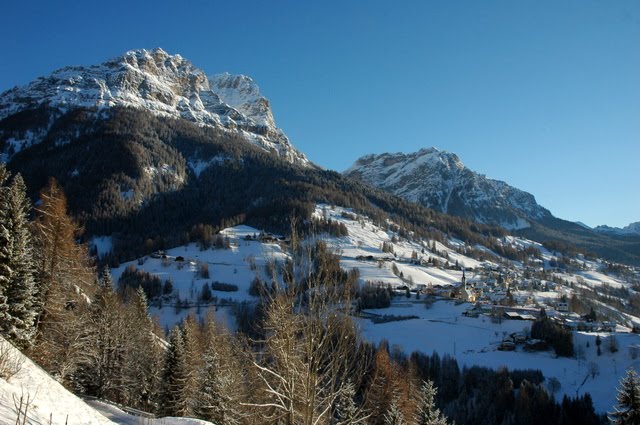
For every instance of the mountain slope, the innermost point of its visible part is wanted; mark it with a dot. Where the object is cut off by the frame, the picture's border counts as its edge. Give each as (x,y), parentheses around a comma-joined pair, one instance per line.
(50,402)
(155,81)
(439,180)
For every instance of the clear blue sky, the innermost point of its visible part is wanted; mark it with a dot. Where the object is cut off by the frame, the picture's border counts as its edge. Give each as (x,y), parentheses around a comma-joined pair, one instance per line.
(542,94)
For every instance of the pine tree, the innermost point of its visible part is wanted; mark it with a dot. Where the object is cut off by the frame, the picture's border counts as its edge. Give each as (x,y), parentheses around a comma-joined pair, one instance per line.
(213,403)
(105,375)
(627,411)
(191,338)
(173,401)
(20,289)
(393,416)
(5,243)
(428,413)
(144,360)
(346,410)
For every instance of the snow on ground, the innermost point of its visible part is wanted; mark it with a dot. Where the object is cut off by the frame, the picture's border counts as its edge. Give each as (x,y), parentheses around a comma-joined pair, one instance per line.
(239,265)
(365,239)
(50,402)
(118,416)
(473,341)
(442,328)
(102,244)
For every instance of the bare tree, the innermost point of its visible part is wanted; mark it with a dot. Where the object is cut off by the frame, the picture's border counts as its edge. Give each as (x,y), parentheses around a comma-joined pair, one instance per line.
(554,385)
(310,351)
(66,280)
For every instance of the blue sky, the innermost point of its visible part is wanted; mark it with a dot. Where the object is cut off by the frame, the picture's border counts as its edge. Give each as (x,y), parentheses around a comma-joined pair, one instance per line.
(542,94)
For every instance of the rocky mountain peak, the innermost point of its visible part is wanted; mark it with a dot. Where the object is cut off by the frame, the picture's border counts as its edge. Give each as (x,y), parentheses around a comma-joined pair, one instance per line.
(438,179)
(163,84)
(243,94)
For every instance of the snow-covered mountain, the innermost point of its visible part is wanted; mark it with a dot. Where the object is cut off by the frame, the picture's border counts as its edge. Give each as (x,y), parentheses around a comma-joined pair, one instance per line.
(629,230)
(439,180)
(153,80)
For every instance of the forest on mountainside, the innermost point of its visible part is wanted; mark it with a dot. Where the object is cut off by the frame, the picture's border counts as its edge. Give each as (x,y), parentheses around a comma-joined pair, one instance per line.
(130,176)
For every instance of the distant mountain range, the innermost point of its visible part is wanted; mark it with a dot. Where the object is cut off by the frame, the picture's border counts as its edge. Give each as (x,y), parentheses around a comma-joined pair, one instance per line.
(148,145)
(632,229)
(439,180)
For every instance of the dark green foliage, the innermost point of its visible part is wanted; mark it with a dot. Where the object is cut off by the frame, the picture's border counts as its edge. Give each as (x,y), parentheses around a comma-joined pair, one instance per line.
(173,401)
(428,413)
(146,157)
(223,287)
(167,287)
(205,295)
(134,278)
(559,338)
(18,293)
(482,396)
(5,251)
(374,296)
(570,238)
(627,411)
(578,411)
(329,227)
(346,411)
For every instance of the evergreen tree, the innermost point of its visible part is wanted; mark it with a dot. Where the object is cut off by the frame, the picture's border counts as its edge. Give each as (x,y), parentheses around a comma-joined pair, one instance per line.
(346,410)
(173,401)
(5,243)
(627,411)
(393,416)
(213,403)
(144,359)
(20,290)
(428,413)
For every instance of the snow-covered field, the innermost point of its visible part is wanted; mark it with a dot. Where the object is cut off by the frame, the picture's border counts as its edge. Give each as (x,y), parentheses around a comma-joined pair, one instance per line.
(474,341)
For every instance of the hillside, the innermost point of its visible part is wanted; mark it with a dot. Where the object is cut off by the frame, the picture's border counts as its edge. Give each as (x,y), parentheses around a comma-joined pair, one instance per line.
(426,267)
(439,180)
(45,401)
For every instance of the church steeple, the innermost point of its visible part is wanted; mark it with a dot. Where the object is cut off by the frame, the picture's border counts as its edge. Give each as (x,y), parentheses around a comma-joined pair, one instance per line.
(464,280)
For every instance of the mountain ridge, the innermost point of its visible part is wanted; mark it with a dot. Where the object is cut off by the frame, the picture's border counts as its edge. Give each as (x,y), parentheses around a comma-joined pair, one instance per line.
(153,80)
(438,179)
(628,230)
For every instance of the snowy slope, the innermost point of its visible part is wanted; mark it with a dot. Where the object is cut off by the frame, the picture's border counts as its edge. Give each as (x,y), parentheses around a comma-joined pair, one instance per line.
(439,180)
(50,403)
(153,80)
(48,399)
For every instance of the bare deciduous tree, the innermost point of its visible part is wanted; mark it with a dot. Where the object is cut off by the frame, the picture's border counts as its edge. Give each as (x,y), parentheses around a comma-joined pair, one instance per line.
(311,348)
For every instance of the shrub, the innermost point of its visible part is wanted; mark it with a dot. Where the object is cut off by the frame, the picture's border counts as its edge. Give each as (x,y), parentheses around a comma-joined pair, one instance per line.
(10,360)
(224,287)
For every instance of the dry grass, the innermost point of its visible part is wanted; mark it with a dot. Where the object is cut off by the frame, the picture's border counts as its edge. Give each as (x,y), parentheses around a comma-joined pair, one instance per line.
(10,360)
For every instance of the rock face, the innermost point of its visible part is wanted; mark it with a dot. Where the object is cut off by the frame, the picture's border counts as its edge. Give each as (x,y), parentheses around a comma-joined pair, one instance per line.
(439,180)
(164,84)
